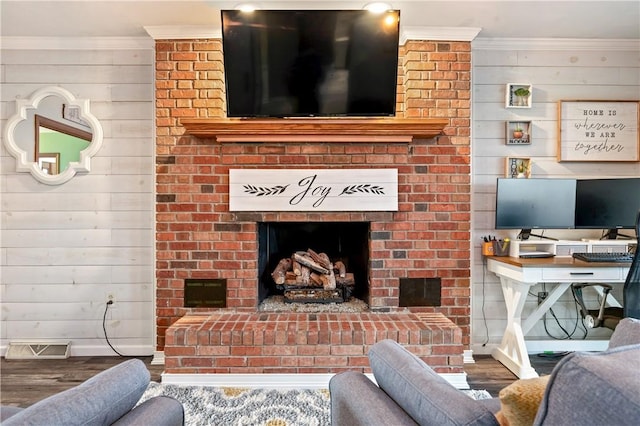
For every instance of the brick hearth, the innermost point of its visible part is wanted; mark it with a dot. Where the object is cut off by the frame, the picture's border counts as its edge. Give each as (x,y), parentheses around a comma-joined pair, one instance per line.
(302,343)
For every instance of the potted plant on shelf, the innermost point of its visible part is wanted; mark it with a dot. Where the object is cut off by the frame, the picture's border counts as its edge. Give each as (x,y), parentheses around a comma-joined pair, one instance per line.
(522,168)
(521,95)
(518,133)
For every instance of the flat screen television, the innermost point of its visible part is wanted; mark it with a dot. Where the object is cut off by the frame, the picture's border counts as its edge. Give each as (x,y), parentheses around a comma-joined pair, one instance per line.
(528,204)
(306,63)
(608,204)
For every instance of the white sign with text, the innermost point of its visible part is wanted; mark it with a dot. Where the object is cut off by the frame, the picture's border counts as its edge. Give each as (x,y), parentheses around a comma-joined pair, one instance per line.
(598,131)
(313,190)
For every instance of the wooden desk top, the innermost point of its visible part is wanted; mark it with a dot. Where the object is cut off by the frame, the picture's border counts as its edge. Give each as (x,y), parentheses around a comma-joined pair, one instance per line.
(555,262)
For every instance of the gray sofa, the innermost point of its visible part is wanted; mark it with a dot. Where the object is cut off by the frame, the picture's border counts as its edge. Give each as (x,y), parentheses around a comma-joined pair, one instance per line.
(108,398)
(583,389)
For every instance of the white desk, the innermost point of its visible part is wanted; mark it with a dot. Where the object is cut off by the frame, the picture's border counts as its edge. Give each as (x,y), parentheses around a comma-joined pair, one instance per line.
(518,275)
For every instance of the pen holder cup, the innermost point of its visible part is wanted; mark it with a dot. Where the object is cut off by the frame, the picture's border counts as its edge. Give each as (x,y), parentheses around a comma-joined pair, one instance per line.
(487,248)
(501,248)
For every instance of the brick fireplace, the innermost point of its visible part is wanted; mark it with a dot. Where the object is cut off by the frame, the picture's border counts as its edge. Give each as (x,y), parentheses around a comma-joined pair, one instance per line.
(198,237)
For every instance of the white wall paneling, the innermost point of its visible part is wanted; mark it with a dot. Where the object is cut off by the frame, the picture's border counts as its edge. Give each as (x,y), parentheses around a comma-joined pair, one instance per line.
(64,248)
(557,70)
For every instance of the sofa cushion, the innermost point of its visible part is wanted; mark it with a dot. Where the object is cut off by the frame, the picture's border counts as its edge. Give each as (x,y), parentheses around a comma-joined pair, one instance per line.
(520,401)
(421,392)
(600,388)
(101,400)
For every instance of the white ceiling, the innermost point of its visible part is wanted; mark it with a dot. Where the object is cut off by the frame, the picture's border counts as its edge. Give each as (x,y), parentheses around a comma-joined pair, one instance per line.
(584,19)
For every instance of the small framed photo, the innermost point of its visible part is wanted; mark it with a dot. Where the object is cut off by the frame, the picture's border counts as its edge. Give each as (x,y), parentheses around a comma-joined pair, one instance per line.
(518,167)
(72,113)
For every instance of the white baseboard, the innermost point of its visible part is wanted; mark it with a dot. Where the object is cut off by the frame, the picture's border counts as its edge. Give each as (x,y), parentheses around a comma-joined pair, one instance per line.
(479,349)
(133,350)
(540,346)
(467,357)
(92,350)
(545,345)
(158,358)
(278,381)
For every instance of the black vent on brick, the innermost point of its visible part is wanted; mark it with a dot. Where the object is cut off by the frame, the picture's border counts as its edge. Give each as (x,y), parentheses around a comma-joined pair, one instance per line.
(205,293)
(420,292)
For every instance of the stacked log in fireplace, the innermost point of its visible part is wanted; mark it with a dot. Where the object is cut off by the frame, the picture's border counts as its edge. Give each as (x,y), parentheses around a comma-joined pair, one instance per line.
(310,277)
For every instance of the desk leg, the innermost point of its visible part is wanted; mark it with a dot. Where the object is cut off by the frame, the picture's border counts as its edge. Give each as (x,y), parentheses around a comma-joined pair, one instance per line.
(512,352)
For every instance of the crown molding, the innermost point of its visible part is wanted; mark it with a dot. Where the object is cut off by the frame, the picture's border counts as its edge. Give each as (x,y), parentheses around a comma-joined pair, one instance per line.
(181,32)
(438,33)
(554,44)
(163,32)
(76,43)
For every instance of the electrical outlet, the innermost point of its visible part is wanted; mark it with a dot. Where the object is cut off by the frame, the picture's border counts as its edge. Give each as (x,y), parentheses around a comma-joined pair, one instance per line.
(541,296)
(111,297)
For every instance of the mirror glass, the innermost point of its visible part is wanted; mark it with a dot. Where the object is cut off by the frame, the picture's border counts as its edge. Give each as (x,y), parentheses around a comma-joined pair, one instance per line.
(53,135)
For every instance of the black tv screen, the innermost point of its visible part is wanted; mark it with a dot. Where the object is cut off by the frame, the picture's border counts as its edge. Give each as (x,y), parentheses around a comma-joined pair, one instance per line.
(535,203)
(607,203)
(286,63)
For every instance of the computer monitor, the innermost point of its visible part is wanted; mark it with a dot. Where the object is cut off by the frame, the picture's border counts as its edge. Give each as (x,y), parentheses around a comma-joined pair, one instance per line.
(608,204)
(528,204)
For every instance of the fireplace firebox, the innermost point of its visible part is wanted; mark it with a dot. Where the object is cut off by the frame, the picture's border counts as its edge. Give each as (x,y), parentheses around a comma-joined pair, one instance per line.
(346,242)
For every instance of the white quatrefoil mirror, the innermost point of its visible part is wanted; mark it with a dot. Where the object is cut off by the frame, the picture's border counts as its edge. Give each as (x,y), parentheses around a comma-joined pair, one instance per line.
(53,135)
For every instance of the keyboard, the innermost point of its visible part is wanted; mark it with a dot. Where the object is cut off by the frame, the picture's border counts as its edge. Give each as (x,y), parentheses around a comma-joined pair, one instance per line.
(618,257)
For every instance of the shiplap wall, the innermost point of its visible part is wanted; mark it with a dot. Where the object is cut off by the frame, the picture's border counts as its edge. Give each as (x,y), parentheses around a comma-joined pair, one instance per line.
(558,70)
(64,248)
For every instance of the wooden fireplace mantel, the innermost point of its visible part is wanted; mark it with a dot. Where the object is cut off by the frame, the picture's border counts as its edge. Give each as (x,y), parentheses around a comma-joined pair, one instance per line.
(315,129)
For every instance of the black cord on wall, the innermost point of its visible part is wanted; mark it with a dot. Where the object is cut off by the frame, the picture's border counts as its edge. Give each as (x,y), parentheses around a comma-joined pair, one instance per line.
(484,316)
(104,327)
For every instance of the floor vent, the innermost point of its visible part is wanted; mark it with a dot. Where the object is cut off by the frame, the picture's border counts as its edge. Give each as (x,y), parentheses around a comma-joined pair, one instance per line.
(34,350)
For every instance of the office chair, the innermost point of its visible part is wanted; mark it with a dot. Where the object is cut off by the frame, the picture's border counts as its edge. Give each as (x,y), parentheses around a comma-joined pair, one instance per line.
(609,316)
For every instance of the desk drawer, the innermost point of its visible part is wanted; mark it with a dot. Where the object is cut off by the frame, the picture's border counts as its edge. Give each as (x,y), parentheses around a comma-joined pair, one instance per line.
(581,274)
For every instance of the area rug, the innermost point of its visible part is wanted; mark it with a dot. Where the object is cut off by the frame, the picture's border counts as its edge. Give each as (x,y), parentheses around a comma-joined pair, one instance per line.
(222,406)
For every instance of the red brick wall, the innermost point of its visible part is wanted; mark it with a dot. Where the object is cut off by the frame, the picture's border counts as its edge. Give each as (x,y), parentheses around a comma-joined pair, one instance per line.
(197,237)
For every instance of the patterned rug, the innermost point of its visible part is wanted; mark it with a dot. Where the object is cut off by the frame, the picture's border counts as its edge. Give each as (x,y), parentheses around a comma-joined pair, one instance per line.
(213,406)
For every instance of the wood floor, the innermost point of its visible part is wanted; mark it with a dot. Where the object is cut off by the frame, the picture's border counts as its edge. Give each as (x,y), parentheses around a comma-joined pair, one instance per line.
(24,382)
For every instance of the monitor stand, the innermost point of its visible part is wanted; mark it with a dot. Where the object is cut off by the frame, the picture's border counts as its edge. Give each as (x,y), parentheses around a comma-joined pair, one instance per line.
(526,233)
(613,234)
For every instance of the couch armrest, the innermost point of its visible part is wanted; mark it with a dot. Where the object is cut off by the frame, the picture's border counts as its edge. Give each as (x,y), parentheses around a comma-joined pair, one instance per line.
(627,332)
(600,388)
(102,399)
(355,401)
(7,411)
(157,411)
(421,392)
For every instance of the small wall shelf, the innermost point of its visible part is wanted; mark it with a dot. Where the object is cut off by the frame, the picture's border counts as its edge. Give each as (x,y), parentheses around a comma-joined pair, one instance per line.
(514,100)
(518,167)
(512,138)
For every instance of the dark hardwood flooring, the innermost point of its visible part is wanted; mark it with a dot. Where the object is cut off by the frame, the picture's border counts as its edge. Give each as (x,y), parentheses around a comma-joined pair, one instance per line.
(490,375)
(24,382)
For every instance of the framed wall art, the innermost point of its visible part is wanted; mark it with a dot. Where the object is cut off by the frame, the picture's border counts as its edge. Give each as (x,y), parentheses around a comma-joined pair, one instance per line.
(518,167)
(598,131)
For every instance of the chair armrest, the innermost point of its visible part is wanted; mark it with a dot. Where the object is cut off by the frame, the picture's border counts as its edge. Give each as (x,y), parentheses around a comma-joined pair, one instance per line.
(356,400)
